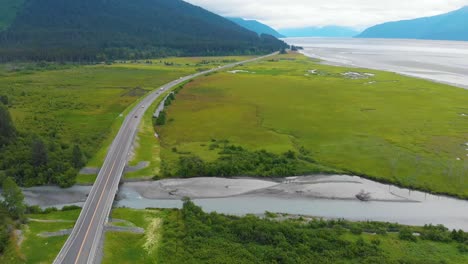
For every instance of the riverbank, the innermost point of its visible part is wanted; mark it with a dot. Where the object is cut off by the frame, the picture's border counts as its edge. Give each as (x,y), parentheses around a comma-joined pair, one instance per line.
(330,197)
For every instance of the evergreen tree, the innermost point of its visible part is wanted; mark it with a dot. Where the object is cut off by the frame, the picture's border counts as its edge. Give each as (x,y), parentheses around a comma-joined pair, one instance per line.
(77,157)
(13,198)
(39,153)
(7,129)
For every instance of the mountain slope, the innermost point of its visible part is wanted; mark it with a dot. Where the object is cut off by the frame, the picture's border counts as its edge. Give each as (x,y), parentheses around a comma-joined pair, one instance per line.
(449,26)
(8,11)
(255,26)
(109,29)
(327,31)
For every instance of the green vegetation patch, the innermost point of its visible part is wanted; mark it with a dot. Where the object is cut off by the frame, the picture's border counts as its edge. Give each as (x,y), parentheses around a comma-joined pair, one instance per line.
(377,124)
(34,246)
(66,115)
(138,248)
(190,235)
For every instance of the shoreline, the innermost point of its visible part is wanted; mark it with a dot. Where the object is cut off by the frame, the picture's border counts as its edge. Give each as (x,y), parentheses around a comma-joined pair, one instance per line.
(324,61)
(320,196)
(425,64)
(312,187)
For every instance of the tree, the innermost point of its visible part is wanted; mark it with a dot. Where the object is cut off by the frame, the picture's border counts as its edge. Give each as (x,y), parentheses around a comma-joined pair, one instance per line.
(7,129)
(4,99)
(191,166)
(77,157)
(67,179)
(39,153)
(4,232)
(13,198)
(161,119)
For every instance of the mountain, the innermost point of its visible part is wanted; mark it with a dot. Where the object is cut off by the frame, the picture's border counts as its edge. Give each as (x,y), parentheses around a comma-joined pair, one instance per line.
(255,26)
(327,31)
(110,29)
(8,11)
(449,26)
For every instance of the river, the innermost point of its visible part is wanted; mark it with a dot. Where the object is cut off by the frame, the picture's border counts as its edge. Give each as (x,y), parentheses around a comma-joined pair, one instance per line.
(441,61)
(332,196)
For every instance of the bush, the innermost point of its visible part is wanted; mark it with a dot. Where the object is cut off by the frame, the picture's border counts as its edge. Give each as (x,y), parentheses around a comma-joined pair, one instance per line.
(50,210)
(406,234)
(33,209)
(237,161)
(463,248)
(356,230)
(437,233)
(70,208)
(161,119)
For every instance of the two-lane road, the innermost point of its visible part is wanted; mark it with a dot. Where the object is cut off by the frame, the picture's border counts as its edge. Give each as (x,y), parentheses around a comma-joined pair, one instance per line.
(82,244)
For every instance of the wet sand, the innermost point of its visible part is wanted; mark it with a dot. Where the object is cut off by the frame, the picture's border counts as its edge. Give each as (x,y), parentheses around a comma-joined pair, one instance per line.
(320,186)
(440,61)
(334,187)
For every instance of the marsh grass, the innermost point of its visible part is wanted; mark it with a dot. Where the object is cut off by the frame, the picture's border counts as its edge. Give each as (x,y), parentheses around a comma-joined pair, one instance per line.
(386,126)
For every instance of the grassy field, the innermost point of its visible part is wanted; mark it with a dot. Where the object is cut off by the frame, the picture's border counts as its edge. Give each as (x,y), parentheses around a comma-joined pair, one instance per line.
(139,248)
(381,125)
(36,249)
(85,105)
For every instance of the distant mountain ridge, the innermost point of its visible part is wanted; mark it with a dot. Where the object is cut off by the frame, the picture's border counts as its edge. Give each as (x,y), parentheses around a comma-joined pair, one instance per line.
(255,26)
(327,31)
(449,26)
(133,29)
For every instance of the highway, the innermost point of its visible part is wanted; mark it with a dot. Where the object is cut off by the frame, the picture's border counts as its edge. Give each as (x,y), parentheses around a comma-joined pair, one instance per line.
(83,243)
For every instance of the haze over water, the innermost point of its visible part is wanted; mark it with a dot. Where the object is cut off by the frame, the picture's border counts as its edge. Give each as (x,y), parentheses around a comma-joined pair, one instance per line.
(441,61)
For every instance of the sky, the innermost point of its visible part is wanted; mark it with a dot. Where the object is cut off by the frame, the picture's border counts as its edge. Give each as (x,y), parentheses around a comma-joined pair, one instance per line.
(358,14)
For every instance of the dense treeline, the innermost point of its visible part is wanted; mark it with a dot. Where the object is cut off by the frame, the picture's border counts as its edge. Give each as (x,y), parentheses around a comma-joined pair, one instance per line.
(32,160)
(192,236)
(237,161)
(90,30)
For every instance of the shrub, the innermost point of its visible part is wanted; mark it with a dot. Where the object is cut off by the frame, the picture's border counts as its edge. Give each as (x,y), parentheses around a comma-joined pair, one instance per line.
(436,233)
(406,234)
(34,209)
(70,208)
(356,230)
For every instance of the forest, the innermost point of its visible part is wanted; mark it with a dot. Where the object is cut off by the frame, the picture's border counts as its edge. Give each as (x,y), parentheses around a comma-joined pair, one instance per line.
(235,160)
(32,160)
(89,30)
(193,236)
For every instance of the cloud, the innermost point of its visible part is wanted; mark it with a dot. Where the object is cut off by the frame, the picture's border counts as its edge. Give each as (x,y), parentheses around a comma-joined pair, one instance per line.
(353,13)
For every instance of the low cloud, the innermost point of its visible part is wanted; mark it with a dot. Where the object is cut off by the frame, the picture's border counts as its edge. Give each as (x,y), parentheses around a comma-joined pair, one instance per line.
(353,13)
